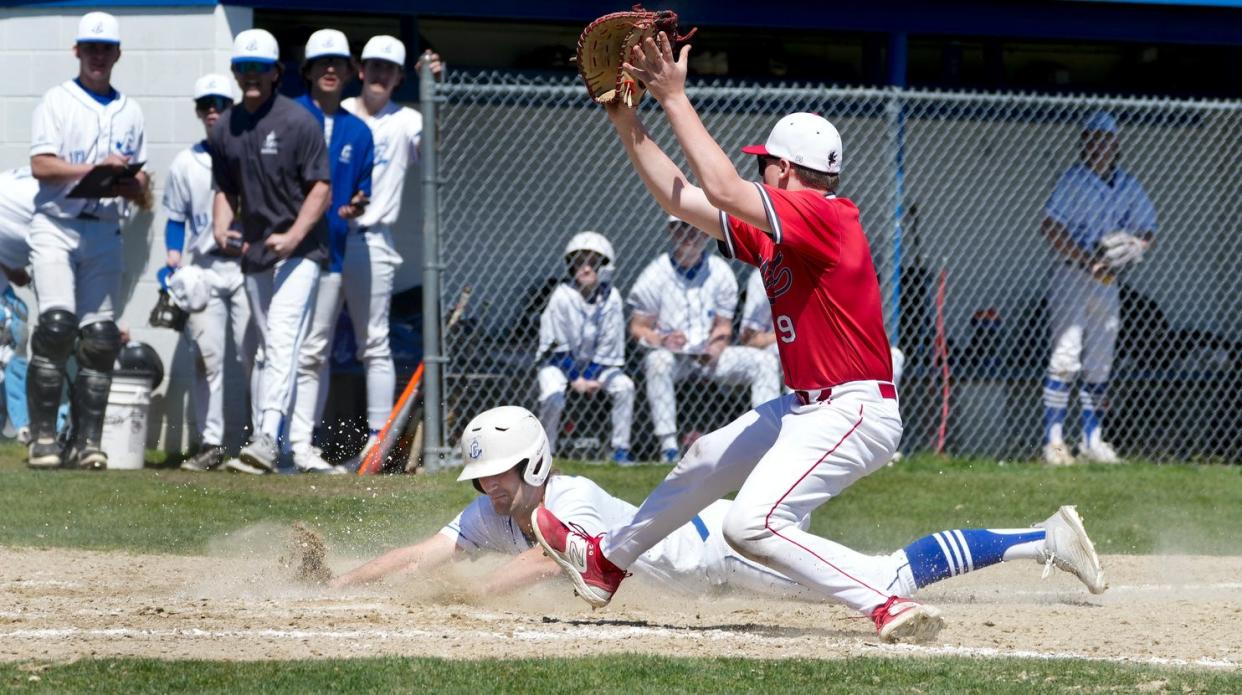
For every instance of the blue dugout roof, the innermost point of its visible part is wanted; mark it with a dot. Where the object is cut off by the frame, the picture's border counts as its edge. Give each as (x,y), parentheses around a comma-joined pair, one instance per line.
(1149,21)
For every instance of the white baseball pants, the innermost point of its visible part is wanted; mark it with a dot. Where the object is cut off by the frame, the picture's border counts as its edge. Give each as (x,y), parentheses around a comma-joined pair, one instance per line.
(364,285)
(281,300)
(737,365)
(618,386)
(227,308)
(77,266)
(1085,317)
(784,459)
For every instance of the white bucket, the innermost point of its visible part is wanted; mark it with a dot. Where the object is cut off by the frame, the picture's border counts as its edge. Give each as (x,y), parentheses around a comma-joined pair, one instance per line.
(125,422)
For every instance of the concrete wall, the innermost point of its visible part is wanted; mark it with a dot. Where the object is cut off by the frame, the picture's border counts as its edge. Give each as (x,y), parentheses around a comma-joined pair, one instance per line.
(164,50)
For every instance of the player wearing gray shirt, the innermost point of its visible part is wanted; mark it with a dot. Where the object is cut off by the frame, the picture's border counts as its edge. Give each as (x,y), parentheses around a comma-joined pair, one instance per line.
(270,167)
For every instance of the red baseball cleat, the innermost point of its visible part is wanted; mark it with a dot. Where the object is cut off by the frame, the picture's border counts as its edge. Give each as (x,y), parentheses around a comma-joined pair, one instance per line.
(577,552)
(903,620)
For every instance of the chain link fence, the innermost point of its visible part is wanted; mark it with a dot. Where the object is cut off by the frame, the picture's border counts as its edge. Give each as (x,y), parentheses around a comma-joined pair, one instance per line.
(952,189)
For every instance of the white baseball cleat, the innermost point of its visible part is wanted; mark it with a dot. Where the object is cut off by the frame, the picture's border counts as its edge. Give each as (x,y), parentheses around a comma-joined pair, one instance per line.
(1067,546)
(1058,454)
(311,461)
(239,467)
(1098,451)
(906,620)
(261,452)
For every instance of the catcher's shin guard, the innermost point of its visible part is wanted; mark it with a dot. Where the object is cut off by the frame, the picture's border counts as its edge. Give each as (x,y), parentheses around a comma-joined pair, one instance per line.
(97,350)
(51,345)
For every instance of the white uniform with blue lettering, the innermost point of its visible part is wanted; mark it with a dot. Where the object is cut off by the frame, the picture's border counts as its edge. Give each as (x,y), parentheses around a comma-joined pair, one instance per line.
(690,301)
(1085,312)
(75,243)
(691,559)
(188,198)
(17,208)
(584,334)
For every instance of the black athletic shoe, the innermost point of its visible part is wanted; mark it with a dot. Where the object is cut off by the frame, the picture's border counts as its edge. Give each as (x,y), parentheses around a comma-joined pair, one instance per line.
(44,454)
(208,458)
(88,458)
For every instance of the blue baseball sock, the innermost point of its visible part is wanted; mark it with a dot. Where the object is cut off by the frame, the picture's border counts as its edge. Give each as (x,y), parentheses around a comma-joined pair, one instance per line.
(1092,396)
(950,553)
(1056,404)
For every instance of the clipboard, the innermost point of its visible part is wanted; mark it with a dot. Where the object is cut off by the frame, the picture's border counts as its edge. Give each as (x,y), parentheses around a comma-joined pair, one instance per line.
(98,182)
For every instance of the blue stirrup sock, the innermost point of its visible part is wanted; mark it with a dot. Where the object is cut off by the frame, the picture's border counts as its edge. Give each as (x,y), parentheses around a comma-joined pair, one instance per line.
(950,553)
(1092,398)
(1056,404)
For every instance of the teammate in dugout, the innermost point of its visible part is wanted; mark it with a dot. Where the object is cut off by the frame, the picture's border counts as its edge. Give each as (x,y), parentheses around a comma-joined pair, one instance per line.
(327,69)
(508,460)
(18,189)
(270,167)
(582,341)
(1100,223)
(75,244)
(790,455)
(371,258)
(683,305)
(192,249)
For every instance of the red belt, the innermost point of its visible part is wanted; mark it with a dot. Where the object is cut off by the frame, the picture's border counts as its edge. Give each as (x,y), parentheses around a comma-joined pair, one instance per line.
(886,390)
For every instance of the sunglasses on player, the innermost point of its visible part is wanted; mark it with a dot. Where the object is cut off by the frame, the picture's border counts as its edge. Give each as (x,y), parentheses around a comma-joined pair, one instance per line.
(245,67)
(205,104)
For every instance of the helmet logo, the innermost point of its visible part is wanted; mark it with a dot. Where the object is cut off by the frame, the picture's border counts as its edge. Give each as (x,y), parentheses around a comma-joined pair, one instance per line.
(475,449)
(253,45)
(97,29)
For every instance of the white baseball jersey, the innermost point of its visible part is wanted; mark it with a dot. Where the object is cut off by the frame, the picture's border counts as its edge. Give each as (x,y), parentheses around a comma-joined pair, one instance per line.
(72,125)
(757,310)
(188,197)
(397,131)
(686,301)
(588,331)
(679,561)
(17,208)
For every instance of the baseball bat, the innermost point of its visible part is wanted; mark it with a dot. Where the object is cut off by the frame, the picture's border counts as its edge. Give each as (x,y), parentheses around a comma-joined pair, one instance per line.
(373,459)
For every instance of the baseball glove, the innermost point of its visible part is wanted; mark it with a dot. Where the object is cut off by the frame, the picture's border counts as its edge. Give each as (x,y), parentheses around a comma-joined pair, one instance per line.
(605,46)
(166,314)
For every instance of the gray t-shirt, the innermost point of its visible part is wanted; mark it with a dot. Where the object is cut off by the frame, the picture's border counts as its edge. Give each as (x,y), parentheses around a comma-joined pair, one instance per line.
(268,159)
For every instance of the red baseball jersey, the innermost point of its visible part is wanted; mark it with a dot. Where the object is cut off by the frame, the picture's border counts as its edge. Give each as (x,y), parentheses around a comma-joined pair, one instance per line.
(821,282)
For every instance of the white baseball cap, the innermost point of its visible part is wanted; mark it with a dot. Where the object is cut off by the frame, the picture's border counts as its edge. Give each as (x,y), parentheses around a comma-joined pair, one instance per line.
(98,27)
(805,139)
(255,46)
(326,43)
(384,48)
(213,85)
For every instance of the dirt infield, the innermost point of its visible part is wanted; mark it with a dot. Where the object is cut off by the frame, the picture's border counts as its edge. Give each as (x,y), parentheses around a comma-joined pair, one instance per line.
(234,604)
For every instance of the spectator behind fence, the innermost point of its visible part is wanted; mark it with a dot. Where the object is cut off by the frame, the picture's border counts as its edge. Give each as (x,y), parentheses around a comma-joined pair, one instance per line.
(683,312)
(757,328)
(582,341)
(1100,222)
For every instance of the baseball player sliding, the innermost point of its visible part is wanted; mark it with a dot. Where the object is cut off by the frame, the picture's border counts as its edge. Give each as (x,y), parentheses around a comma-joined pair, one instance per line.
(1100,223)
(371,258)
(191,246)
(508,460)
(582,341)
(351,156)
(75,243)
(790,455)
(269,152)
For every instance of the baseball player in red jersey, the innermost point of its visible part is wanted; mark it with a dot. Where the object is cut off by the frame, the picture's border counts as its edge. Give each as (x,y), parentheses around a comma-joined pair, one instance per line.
(792,454)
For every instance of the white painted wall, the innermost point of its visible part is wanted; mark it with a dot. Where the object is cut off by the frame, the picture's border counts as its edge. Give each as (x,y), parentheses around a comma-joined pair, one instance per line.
(164,49)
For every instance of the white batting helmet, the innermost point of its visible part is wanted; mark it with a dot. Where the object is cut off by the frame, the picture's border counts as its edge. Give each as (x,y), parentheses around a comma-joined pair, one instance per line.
(502,438)
(590,241)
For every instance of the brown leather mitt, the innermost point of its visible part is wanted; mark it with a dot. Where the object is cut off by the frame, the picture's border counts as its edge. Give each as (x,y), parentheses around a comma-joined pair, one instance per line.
(606,44)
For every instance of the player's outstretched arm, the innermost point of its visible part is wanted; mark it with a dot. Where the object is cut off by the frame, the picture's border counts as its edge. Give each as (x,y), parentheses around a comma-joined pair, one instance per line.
(652,61)
(429,553)
(522,571)
(662,177)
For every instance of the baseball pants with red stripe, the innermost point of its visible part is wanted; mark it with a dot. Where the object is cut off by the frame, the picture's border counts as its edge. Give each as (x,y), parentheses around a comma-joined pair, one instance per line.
(784,458)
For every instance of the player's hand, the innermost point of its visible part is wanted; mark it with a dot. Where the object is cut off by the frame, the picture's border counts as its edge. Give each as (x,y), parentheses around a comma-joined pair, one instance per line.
(434,59)
(592,386)
(674,341)
(174,259)
(652,61)
(357,206)
(282,244)
(712,353)
(579,385)
(115,161)
(230,242)
(129,188)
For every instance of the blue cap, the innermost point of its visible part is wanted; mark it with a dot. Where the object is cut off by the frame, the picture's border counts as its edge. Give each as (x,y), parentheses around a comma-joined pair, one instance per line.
(1100,121)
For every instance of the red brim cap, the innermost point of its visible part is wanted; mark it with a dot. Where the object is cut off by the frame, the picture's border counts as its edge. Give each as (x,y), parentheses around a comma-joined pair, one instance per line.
(755,149)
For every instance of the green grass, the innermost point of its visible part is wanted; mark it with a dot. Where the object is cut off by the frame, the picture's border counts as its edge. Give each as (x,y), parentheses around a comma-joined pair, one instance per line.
(620,673)
(1132,509)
